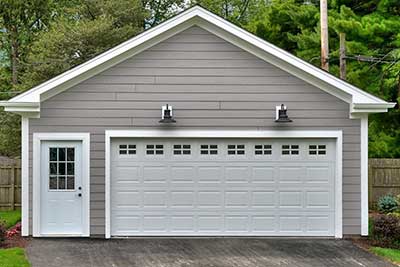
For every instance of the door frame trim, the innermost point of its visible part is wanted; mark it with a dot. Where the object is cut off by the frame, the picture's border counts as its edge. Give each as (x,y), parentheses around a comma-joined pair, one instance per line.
(36,178)
(188,133)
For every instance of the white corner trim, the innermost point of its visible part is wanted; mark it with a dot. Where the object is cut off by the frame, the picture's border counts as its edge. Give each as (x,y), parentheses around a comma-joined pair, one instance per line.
(25,176)
(187,133)
(364,175)
(108,185)
(339,186)
(36,175)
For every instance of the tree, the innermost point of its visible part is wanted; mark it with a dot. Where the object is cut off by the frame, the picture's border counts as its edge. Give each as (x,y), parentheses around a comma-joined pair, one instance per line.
(20,20)
(237,11)
(85,31)
(160,10)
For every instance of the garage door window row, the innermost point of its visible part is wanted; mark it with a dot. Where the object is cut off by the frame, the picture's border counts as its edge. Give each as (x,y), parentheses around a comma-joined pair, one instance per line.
(231,149)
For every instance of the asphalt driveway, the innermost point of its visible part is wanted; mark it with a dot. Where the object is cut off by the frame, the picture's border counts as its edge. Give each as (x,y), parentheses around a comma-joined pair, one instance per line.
(219,252)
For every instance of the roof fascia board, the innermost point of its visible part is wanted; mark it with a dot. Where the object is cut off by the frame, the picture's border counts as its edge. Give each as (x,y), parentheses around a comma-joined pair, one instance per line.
(369,106)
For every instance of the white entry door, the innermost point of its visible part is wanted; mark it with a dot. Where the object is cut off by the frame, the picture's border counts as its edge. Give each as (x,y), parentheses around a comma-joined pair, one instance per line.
(61,211)
(228,187)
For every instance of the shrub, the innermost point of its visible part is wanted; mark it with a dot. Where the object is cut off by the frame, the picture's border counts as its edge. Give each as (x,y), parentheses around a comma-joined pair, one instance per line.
(387,204)
(16,230)
(387,228)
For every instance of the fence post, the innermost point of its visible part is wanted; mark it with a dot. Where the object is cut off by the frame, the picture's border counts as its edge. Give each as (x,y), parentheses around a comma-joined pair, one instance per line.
(11,193)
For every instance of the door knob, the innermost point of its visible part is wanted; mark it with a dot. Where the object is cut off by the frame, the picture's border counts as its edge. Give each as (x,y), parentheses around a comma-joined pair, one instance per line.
(80,188)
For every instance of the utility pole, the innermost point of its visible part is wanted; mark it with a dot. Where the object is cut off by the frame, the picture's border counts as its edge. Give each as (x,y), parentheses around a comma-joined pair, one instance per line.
(342,56)
(324,35)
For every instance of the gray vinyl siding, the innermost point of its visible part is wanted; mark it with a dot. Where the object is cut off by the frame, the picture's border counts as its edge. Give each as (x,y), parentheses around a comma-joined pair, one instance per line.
(211,84)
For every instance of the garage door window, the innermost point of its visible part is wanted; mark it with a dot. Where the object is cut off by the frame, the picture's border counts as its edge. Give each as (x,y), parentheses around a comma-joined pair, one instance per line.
(317,149)
(236,149)
(182,150)
(127,149)
(263,149)
(154,149)
(208,149)
(290,149)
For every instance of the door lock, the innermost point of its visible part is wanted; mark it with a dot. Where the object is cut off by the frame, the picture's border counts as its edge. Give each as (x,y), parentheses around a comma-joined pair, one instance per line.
(80,195)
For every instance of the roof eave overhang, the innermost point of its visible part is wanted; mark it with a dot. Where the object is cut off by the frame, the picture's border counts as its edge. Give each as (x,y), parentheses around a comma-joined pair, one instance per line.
(356,109)
(25,109)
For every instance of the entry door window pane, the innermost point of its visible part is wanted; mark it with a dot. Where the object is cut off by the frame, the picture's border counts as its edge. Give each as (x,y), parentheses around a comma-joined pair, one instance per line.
(62,168)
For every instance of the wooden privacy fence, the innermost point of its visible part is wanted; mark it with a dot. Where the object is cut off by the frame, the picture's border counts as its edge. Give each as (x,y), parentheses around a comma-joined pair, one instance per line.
(10,184)
(384,178)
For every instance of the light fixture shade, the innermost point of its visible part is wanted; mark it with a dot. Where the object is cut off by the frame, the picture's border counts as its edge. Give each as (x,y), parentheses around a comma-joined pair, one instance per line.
(166,115)
(282,114)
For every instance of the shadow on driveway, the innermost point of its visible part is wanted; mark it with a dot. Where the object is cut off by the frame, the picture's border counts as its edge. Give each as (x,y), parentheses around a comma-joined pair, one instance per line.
(221,252)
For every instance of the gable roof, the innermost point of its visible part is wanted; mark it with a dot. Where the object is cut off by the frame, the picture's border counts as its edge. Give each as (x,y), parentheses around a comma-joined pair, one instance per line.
(359,100)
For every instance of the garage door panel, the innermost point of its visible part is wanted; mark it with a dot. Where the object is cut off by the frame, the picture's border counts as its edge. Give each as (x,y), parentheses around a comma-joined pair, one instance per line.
(154,199)
(319,224)
(155,174)
(210,223)
(290,224)
(182,199)
(319,174)
(155,223)
(222,194)
(262,174)
(318,199)
(127,174)
(236,199)
(237,224)
(183,223)
(209,199)
(183,174)
(290,199)
(263,199)
(236,174)
(209,174)
(290,174)
(127,199)
(264,224)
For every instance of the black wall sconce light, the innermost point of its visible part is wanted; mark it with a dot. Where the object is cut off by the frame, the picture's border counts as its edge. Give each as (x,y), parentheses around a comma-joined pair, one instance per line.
(281,114)
(166,115)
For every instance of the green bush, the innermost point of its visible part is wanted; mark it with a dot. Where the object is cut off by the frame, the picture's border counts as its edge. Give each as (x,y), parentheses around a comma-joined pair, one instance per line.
(387,204)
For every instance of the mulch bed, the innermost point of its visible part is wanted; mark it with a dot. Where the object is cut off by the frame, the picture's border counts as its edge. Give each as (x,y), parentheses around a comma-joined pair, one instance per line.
(367,242)
(15,241)
(13,238)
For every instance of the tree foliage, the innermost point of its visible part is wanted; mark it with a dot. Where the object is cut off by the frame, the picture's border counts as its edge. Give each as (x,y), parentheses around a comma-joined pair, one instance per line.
(54,36)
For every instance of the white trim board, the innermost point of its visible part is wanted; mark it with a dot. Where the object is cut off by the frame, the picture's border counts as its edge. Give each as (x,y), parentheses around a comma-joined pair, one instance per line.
(25,176)
(36,176)
(174,133)
(216,25)
(364,174)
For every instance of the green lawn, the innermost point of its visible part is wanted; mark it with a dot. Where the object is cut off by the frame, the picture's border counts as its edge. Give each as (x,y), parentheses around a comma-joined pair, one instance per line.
(10,217)
(388,253)
(13,257)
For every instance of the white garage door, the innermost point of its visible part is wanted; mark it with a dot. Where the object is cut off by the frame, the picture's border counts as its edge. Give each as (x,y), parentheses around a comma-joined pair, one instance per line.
(229,187)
